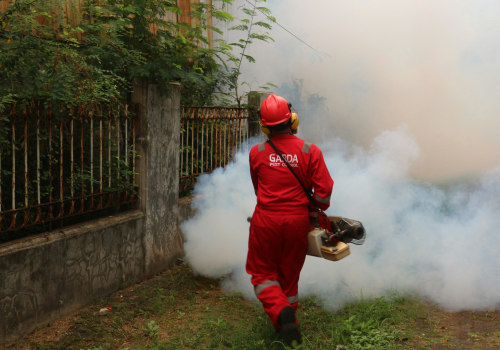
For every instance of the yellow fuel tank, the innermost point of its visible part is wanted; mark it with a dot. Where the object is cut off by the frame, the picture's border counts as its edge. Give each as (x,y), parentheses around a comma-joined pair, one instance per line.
(316,248)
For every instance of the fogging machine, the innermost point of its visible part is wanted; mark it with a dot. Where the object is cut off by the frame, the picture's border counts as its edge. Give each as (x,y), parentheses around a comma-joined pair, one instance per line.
(330,235)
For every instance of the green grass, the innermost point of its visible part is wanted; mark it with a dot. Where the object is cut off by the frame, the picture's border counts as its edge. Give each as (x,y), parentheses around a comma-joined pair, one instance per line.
(177,310)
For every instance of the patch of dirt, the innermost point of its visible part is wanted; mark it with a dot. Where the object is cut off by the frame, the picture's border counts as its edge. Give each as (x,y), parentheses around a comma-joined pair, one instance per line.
(52,332)
(463,330)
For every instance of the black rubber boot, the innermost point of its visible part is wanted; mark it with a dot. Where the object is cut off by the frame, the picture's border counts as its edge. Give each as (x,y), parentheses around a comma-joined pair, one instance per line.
(289,330)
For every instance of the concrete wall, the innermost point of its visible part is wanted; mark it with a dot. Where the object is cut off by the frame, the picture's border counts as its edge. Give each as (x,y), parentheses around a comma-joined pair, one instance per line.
(47,276)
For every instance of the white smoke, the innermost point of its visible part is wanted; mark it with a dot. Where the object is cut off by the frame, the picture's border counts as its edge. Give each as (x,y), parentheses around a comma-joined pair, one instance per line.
(411,94)
(440,243)
(432,65)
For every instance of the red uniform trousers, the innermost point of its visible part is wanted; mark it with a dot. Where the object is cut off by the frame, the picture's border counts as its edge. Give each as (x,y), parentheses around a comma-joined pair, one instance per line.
(276,253)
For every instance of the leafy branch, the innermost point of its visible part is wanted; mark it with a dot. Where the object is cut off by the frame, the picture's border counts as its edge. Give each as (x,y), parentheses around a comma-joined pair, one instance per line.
(249,26)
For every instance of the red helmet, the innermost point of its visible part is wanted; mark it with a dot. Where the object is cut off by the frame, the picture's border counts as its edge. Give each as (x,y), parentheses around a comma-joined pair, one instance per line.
(274,110)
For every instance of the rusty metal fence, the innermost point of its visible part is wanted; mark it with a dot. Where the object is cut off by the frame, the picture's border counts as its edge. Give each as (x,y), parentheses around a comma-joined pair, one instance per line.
(57,164)
(209,138)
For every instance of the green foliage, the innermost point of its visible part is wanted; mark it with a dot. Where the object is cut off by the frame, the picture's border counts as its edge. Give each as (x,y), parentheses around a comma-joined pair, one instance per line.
(151,329)
(234,90)
(95,59)
(41,59)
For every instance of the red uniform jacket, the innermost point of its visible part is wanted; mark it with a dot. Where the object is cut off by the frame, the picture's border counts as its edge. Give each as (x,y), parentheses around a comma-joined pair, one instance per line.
(275,185)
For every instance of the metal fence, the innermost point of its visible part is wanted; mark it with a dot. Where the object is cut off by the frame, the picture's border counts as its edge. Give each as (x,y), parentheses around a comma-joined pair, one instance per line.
(209,138)
(61,163)
(58,165)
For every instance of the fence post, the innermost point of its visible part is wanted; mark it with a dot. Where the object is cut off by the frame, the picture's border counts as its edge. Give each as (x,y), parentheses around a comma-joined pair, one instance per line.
(158,174)
(255,99)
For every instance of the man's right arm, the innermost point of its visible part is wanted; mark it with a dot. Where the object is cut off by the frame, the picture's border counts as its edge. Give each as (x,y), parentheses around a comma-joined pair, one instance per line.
(253,174)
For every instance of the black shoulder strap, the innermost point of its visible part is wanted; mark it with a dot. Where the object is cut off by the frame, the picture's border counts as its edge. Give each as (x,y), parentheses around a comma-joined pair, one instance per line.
(306,191)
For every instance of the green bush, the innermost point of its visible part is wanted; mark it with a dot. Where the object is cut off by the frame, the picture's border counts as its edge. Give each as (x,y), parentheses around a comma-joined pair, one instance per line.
(46,56)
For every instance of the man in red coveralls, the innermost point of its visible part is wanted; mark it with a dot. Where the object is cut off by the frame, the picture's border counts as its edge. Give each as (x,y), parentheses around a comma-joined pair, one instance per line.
(278,230)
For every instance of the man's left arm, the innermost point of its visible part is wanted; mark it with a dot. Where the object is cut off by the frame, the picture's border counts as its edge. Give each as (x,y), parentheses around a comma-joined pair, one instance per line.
(321,180)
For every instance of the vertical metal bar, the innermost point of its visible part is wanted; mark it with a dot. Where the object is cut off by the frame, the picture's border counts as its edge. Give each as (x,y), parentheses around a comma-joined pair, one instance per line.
(247,131)
(13,146)
(188,152)
(214,142)
(82,183)
(118,149)
(25,164)
(223,138)
(1,190)
(207,148)
(109,149)
(198,120)
(230,136)
(100,160)
(225,141)
(50,166)
(237,133)
(219,138)
(72,160)
(247,126)
(185,146)
(38,168)
(127,164)
(182,143)
(227,136)
(231,143)
(212,149)
(202,143)
(192,147)
(1,217)
(126,135)
(236,139)
(91,140)
(240,132)
(133,149)
(61,169)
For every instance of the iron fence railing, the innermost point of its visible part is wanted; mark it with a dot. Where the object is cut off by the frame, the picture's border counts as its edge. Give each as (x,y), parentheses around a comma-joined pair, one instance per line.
(61,163)
(209,138)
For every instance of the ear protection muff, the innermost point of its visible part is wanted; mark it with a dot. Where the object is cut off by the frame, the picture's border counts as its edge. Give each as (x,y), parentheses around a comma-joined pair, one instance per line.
(294,120)
(265,129)
(294,123)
